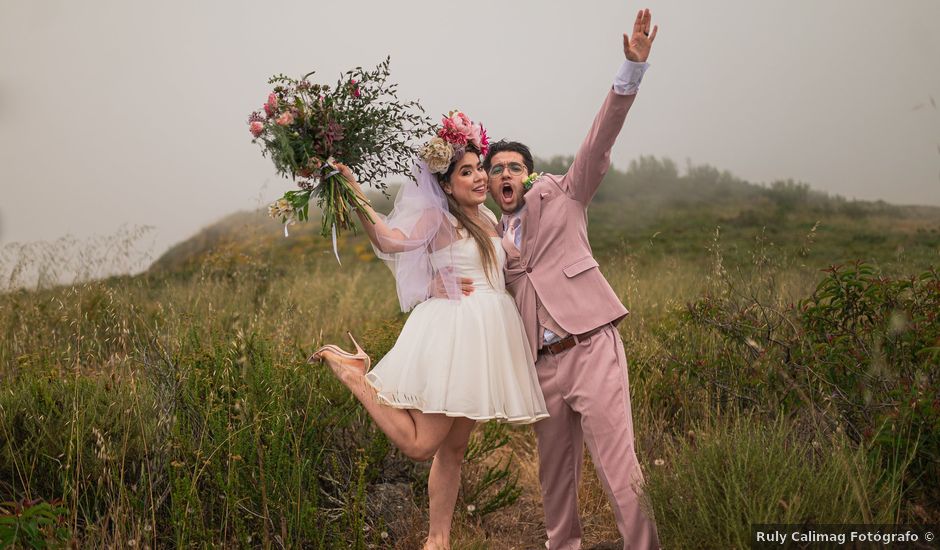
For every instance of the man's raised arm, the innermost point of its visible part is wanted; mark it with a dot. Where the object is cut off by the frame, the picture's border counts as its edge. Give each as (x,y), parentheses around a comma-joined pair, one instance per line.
(593,158)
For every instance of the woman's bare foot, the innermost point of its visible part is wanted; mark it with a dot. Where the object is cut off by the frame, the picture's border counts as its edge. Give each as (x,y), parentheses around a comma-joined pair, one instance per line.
(431,545)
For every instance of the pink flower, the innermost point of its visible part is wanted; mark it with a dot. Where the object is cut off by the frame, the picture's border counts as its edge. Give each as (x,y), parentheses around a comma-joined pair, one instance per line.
(256,128)
(457,122)
(271,106)
(452,136)
(285,119)
(355,89)
(475,135)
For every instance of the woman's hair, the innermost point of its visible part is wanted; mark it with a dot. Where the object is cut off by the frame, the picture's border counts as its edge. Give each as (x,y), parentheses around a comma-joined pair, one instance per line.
(484,243)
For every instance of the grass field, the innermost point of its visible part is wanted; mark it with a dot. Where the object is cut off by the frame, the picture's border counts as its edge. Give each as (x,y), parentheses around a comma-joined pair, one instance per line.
(175,408)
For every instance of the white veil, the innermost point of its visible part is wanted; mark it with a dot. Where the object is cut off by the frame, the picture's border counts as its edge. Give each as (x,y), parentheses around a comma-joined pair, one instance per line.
(425,231)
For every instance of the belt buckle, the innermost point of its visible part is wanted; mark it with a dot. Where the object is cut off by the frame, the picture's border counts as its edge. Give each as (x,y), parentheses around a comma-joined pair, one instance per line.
(563,344)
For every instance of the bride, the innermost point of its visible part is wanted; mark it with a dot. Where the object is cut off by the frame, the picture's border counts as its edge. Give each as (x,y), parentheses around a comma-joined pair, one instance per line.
(461,357)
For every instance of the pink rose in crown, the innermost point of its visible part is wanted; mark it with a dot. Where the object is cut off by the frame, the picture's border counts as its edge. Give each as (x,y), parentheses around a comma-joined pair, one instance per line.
(271,106)
(458,122)
(451,135)
(475,135)
(256,128)
(286,119)
(478,138)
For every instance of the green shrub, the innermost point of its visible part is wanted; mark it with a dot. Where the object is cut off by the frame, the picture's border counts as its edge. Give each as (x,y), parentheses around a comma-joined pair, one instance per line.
(861,353)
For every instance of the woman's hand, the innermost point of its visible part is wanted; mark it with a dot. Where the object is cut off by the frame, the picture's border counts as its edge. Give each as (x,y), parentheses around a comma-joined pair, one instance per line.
(348,175)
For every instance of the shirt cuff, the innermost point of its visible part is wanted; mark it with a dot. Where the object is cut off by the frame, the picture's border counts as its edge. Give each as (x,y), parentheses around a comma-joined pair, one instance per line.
(628,78)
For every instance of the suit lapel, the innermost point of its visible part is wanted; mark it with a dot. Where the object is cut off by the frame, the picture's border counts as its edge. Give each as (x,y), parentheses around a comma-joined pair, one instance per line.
(530,223)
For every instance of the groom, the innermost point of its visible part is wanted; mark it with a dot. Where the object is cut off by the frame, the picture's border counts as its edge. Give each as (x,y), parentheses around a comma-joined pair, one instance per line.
(570,313)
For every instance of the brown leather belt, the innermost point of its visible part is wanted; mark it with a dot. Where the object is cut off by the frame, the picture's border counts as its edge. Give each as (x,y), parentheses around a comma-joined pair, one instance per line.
(569,341)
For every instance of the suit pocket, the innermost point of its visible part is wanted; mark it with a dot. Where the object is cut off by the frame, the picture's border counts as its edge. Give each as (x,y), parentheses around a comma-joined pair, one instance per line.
(580,266)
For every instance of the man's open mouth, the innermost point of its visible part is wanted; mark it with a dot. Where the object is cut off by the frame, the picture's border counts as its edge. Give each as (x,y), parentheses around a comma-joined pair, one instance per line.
(507,191)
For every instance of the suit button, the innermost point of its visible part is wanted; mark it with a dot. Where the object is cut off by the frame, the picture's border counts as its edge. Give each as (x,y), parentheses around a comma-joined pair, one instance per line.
(528,270)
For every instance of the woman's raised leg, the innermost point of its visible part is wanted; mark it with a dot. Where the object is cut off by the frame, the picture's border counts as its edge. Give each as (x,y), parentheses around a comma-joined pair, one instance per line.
(415,433)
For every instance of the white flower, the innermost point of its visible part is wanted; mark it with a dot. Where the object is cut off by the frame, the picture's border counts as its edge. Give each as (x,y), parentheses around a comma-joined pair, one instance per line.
(659,462)
(282,209)
(437,153)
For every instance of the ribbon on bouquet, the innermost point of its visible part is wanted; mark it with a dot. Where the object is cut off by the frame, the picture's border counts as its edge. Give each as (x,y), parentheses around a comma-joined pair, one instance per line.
(335,251)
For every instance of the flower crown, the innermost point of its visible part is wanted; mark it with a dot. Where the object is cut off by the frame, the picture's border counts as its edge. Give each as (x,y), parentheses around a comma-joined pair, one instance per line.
(457,130)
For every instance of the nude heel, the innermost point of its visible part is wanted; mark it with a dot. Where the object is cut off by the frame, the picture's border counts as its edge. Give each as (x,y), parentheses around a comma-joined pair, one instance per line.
(360,354)
(341,359)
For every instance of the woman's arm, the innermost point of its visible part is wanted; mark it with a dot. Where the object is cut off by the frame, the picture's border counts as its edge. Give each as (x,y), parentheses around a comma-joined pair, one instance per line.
(385,238)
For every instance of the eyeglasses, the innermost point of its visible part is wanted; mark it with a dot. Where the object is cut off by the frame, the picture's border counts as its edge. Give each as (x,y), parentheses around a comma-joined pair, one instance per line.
(515,169)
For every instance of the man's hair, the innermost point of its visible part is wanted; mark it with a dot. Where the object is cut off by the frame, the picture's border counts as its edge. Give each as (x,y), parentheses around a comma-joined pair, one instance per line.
(502,146)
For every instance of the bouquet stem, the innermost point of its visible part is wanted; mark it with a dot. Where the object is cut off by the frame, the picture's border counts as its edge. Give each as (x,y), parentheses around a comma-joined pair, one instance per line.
(337,201)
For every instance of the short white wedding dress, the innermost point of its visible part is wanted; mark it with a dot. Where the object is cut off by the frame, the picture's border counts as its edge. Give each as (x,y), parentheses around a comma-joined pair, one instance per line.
(467,357)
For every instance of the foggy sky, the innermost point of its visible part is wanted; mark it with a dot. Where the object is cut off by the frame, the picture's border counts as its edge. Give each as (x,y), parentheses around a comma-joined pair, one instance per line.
(129,112)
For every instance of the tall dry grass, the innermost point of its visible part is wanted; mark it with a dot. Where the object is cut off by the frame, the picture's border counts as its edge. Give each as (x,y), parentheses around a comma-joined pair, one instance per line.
(166,410)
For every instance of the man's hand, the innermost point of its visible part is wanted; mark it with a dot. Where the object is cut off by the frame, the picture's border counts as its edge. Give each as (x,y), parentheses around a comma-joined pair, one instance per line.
(637,47)
(438,290)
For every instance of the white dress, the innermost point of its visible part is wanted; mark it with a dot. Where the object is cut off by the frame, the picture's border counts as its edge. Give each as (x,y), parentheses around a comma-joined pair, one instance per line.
(466,357)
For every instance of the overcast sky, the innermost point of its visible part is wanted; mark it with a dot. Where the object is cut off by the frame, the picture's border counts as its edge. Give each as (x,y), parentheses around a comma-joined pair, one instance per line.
(117,112)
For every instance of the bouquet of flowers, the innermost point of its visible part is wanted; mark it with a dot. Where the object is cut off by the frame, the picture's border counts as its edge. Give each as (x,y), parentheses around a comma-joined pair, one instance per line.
(305,128)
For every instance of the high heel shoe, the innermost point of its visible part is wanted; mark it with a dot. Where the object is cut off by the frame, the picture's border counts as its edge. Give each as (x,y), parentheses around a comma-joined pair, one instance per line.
(359,352)
(344,356)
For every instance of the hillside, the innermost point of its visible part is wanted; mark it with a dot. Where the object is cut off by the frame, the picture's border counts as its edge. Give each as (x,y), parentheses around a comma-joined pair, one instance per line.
(650,210)
(178,409)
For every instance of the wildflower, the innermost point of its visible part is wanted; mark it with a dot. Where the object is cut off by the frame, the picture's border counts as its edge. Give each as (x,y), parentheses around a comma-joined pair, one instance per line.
(471,508)
(659,462)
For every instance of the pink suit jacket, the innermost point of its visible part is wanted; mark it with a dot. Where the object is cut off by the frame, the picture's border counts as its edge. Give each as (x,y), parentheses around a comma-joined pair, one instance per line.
(555,262)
